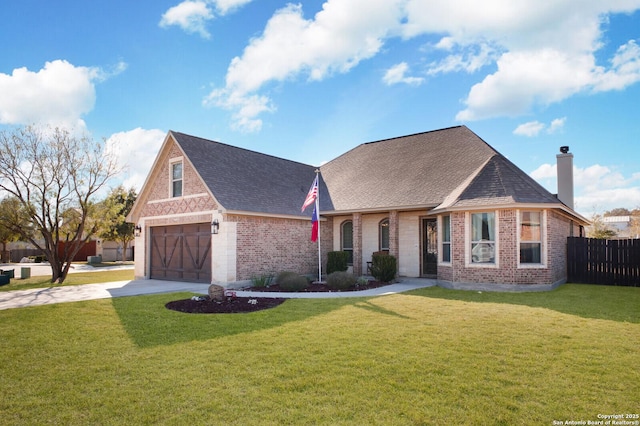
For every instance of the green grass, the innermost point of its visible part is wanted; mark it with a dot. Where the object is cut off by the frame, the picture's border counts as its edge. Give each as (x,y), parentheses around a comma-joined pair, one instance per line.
(432,356)
(72,279)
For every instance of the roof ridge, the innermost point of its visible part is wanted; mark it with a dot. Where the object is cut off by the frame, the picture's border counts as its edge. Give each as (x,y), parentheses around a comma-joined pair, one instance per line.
(414,134)
(454,196)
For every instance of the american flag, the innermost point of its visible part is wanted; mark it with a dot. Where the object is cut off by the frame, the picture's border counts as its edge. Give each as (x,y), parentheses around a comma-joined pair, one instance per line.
(312,195)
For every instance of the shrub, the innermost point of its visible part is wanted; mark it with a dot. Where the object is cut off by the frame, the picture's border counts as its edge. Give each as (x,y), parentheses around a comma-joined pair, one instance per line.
(290,281)
(261,281)
(337,261)
(362,281)
(383,267)
(340,280)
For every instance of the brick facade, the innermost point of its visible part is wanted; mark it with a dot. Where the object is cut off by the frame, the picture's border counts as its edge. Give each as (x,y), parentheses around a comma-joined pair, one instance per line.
(252,245)
(507,269)
(195,197)
(271,245)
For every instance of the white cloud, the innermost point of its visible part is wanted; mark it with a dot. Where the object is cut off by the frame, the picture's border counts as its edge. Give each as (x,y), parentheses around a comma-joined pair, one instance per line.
(470,58)
(396,74)
(225,6)
(541,53)
(596,187)
(532,128)
(526,79)
(135,151)
(189,15)
(556,125)
(59,94)
(339,37)
(625,69)
(192,15)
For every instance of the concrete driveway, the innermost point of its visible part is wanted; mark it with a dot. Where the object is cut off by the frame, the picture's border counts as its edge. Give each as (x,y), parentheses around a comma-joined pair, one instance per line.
(77,293)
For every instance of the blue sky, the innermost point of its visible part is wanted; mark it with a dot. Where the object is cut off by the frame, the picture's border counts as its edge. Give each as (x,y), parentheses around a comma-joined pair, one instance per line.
(310,80)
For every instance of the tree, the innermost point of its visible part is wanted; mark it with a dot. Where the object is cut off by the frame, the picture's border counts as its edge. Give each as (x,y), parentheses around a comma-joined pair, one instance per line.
(599,229)
(634,224)
(619,211)
(9,206)
(116,207)
(55,176)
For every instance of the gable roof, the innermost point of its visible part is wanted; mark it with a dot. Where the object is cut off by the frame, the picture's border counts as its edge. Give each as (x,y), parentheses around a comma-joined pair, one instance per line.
(244,180)
(447,169)
(418,170)
(499,182)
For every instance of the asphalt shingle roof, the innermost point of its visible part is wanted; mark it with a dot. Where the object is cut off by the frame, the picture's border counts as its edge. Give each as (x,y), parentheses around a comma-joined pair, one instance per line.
(500,182)
(449,168)
(246,180)
(415,170)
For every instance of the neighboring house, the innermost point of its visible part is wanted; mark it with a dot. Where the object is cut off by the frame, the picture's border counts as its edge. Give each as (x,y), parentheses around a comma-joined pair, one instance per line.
(112,251)
(444,203)
(621,225)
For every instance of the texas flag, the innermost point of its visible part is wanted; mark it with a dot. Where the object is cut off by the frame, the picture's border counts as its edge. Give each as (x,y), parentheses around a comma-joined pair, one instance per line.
(314,225)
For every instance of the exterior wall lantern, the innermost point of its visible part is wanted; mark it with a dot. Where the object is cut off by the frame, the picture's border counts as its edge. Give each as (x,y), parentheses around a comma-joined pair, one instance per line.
(138,230)
(215,226)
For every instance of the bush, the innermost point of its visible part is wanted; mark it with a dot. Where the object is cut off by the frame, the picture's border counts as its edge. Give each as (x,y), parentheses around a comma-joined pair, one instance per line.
(290,281)
(340,280)
(337,261)
(261,281)
(383,267)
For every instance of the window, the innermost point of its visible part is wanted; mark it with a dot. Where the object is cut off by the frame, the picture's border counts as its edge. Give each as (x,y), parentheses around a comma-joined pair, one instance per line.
(483,238)
(530,237)
(346,240)
(384,235)
(446,238)
(176,179)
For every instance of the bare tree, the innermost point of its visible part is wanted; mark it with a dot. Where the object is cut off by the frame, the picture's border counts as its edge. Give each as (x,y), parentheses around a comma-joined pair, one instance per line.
(54,175)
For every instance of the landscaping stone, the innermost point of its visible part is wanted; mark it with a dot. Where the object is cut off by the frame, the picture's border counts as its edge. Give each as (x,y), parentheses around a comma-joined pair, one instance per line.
(216,292)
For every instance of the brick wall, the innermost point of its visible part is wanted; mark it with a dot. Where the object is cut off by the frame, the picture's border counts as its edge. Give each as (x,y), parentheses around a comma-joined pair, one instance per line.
(272,245)
(195,195)
(507,269)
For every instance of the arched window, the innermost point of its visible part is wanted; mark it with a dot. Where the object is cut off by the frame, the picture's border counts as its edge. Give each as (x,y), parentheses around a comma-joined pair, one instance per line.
(384,234)
(346,238)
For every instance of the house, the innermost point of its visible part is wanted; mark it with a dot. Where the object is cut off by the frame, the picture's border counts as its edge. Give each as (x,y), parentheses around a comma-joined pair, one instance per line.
(622,225)
(444,203)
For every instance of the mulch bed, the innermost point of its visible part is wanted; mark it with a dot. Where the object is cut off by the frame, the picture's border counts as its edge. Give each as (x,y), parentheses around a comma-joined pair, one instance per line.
(234,305)
(321,287)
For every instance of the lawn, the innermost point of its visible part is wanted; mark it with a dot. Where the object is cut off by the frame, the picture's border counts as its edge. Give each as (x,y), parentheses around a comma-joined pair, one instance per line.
(76,278)
(432,356)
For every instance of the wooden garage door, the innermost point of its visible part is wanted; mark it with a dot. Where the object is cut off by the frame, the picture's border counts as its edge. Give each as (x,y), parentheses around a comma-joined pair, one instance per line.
(181,252)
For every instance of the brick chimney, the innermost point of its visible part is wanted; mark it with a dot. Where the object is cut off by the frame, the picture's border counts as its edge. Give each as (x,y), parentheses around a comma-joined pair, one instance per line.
(565,176)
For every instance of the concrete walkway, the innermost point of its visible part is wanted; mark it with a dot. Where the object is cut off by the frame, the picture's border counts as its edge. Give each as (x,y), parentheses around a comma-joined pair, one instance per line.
(44,296)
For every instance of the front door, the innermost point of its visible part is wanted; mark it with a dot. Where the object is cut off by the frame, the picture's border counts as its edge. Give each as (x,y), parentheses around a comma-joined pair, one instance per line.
(429,248)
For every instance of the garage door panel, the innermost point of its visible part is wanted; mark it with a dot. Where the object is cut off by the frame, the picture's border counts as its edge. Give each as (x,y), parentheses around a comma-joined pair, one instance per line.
(181,252)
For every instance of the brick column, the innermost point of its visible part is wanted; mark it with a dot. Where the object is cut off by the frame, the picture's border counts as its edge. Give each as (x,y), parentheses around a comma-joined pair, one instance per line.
(357,244)
(394,226)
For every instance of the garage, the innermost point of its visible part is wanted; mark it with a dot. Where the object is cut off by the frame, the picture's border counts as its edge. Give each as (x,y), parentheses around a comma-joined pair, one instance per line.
(181,252)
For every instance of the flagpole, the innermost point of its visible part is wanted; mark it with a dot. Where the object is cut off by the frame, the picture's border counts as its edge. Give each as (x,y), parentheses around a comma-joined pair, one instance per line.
(318,215)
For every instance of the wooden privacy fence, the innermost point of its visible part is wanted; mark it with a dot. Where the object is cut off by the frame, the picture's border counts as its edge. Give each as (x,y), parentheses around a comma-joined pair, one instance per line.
(609,262)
